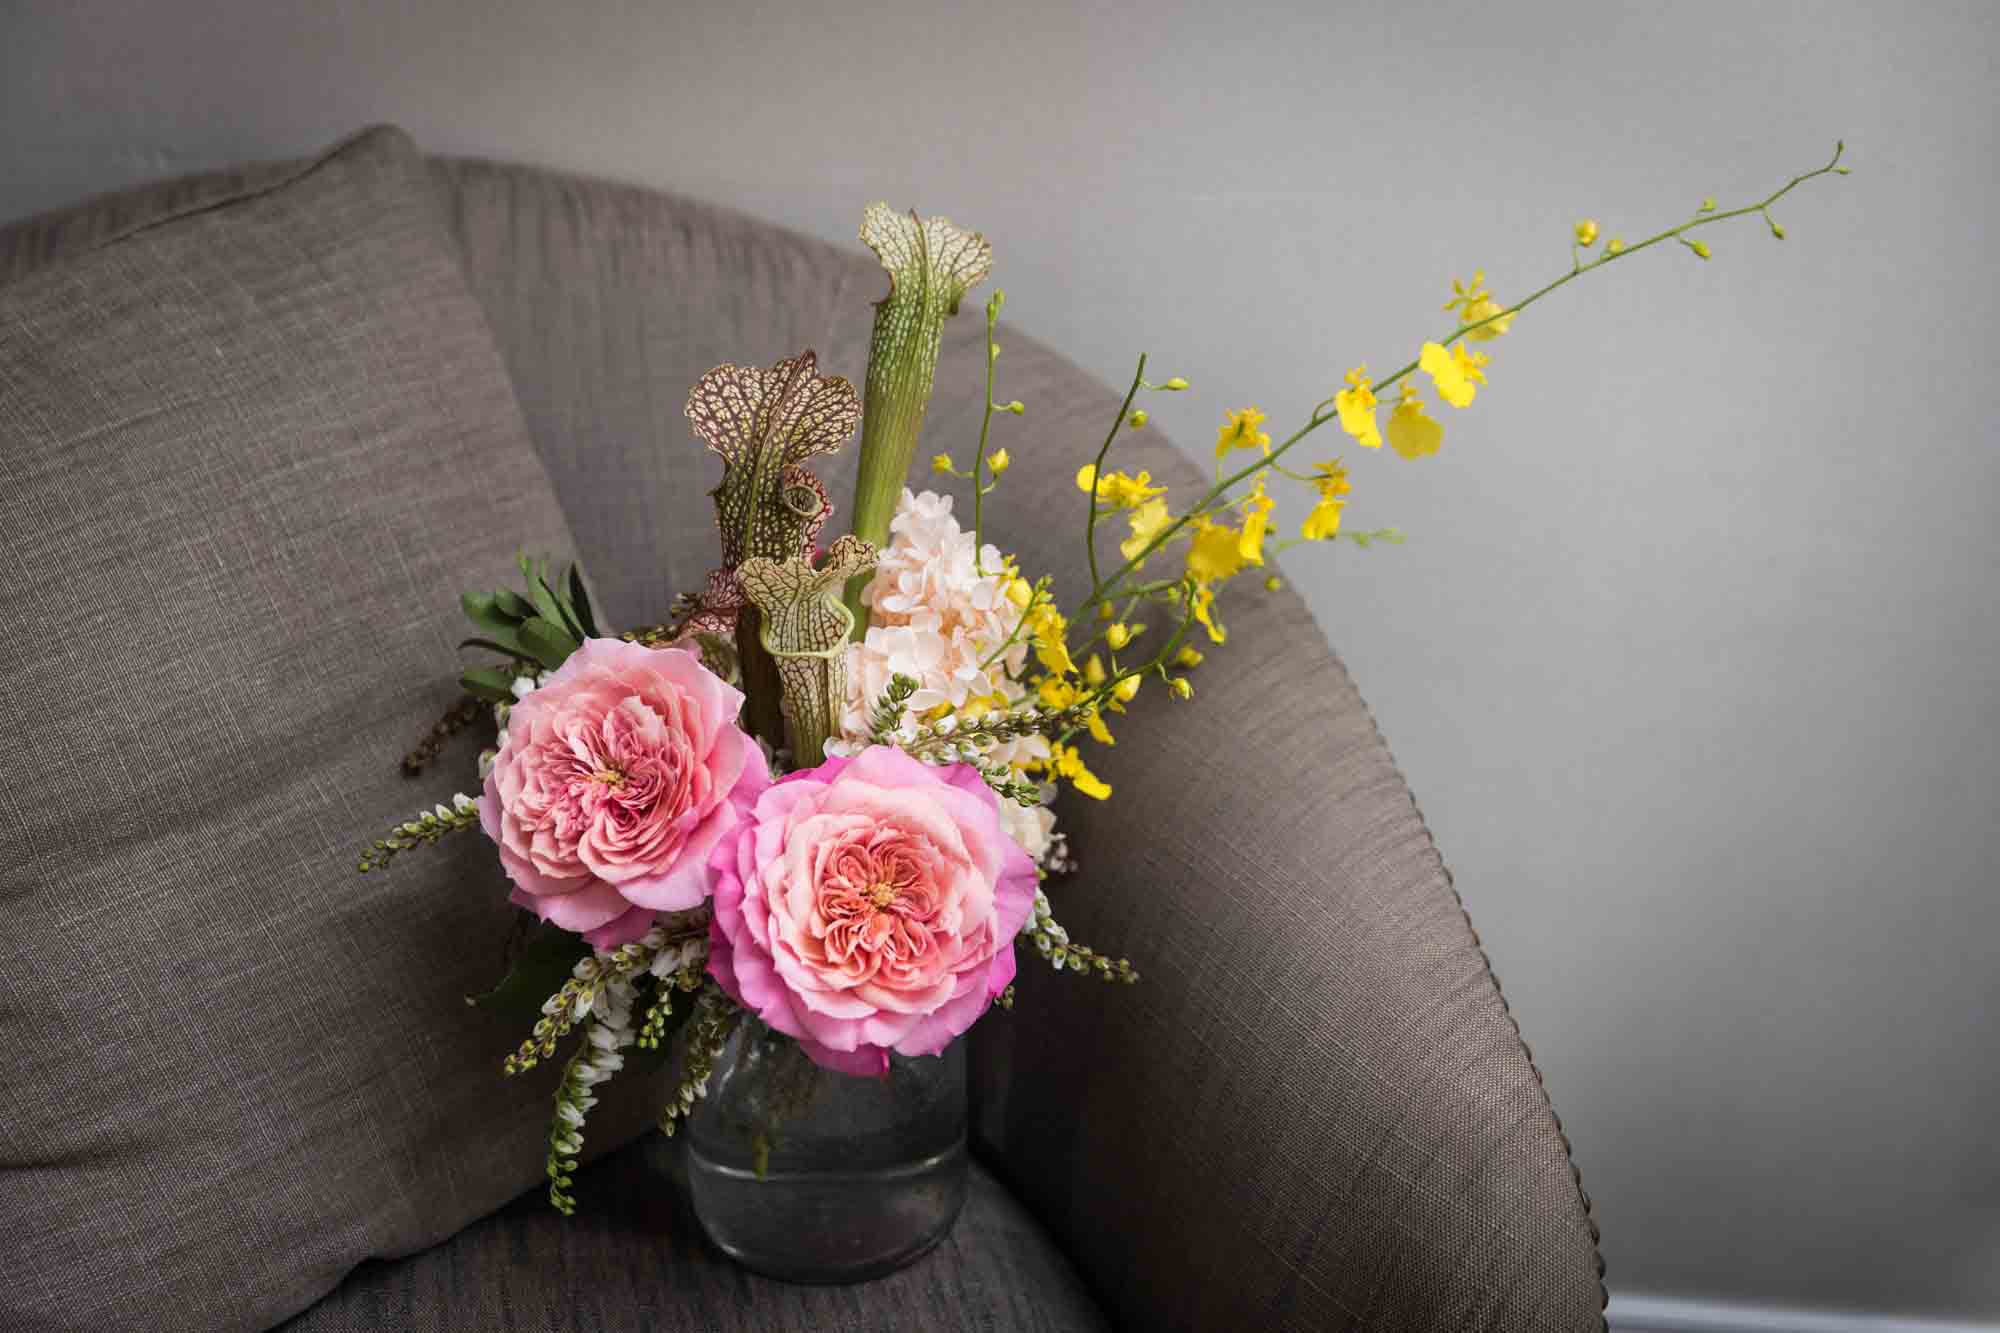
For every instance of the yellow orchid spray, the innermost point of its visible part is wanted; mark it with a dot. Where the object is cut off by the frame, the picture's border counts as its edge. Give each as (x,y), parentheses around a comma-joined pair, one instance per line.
(1228,528)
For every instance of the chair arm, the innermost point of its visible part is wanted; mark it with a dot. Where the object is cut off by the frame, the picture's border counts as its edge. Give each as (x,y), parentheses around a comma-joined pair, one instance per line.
(1314,1110)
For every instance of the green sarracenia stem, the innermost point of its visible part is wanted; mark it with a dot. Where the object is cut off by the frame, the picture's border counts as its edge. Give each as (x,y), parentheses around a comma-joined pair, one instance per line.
(931,264)
(1321,413)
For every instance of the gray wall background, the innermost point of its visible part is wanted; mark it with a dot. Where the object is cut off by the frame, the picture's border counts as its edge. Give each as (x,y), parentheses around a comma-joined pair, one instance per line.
(1691,656)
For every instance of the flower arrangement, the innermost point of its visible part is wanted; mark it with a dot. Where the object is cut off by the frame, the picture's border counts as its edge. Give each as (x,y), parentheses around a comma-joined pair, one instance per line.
(820,794)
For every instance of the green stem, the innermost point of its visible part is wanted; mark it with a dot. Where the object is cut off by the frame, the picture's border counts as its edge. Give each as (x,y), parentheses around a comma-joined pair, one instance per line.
(985,427)
(1097,470)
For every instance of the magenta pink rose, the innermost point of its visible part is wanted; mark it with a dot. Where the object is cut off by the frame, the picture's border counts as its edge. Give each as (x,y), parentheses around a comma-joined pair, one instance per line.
(869,905)
(614,781)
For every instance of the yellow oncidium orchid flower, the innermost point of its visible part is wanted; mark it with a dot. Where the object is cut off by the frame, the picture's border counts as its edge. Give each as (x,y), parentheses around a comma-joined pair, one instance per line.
(1256,520)
(1456,373)
(1474,303)
(1411,433)
(1215,552)
(1116,488)
(1098,731)
(1201,602)
(1055,693)
(1331,483)
(1068,763)
(1148,521)
(1356,405)
(1240,431)
(1050,632)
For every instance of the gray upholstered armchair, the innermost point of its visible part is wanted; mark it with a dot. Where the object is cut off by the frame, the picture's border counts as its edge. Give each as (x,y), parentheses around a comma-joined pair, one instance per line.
(1315,1112)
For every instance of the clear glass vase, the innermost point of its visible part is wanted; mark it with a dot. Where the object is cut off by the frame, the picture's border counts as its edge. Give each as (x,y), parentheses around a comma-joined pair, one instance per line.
(807,1175)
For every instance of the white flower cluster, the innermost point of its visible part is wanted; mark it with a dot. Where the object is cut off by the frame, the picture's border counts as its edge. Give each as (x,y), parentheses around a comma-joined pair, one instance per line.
(605,1006)
(938,612)
(671,958)
(935,617)
(460,802)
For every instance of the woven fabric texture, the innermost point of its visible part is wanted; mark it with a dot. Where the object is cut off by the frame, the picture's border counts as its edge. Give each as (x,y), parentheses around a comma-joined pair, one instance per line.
(1315,1111)
(254,436)
(632,1260)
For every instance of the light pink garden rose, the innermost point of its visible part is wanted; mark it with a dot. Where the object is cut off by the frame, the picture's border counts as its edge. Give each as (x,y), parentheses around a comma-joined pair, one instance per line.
(614,781)
(869,905)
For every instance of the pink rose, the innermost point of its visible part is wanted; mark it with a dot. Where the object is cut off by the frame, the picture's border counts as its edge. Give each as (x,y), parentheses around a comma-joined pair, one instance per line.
(869,905)
(613,782)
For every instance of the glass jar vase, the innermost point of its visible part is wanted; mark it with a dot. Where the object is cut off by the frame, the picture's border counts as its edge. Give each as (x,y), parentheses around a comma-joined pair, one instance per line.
(808,1175)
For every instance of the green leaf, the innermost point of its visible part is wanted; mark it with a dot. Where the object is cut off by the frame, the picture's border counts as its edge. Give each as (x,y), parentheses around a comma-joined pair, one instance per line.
(579,598)
(488,683)
(545,963)
(483,612)
(545,601)
(568,615)
(513,604)
(489,645)
(547,642)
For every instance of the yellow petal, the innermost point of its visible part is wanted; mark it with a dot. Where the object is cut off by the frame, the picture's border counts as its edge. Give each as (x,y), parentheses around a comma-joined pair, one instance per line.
(1324,520)
(1357,416)
(1098,731)
(1412,434)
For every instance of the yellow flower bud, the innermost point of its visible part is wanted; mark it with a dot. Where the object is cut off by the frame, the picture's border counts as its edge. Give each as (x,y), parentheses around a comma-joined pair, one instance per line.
(1139,419)
(1700,248)
(1118,635)
(1125,690)
(1017,407)
(942,463)
(998,461)
(1104,611)
(1708,204)
(1586,232)
(1614,246)
(1175,383)
(992,351)
(1020,593)
(1273,583)
(1180,688)
(1188,656)
(1093,670)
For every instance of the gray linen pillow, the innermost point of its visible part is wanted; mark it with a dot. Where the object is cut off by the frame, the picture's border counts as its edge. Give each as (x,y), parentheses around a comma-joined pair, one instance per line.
(254,437)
